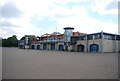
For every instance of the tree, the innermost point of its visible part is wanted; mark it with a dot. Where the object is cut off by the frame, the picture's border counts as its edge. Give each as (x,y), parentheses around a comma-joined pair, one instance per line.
(14,41)
(0,41)
(23,38)
(4,43)
(10,42)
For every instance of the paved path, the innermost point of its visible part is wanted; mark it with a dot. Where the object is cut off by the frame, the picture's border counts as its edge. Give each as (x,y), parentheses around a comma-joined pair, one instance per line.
(39,64)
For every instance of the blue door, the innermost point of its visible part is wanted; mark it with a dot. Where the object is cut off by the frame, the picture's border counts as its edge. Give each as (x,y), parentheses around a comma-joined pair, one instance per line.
(44,46)
(61,47)
(33,47)
(94,48)
(38,47)
(52,46)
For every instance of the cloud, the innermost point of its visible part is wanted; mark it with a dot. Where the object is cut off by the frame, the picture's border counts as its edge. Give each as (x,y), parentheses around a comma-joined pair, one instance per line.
(10,10)
(104,6)
(112,5)
(7,31)
(47,15)
(7,24)
(82,22)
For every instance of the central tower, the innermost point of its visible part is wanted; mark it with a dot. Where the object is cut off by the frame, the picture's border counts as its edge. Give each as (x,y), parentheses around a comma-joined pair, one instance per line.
(67,36)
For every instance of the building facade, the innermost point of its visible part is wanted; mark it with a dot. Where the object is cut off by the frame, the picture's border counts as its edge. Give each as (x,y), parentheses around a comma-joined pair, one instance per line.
(96,42)
(75,41)
(25,41)
(54,41)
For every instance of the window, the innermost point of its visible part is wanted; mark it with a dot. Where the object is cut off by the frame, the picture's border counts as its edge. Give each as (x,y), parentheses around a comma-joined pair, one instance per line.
(90,37)
(109,37)
(58,38)
(73,40)
(81,38)
(52,38)
(97,36)
(117,37)
(105,36)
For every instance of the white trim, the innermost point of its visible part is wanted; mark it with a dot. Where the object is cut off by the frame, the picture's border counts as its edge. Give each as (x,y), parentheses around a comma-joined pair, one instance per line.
(60,44)
(93,43)
(37,44)
(80,43)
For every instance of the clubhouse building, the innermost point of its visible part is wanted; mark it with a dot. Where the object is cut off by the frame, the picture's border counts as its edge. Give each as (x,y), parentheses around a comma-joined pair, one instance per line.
(73,41)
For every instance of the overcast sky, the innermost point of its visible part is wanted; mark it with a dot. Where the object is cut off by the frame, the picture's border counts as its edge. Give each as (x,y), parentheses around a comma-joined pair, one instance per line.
(37,17)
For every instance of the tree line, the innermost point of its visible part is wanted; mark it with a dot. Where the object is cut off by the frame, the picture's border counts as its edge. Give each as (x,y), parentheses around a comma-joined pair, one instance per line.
(10,42)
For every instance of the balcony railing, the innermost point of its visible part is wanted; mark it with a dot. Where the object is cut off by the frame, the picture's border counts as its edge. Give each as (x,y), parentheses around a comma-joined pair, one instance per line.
(47,41)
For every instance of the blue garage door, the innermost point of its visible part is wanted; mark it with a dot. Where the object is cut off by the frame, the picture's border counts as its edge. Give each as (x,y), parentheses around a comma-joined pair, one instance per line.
(52,46)
(38,47)
(33,46)
(44,46)
(61,47)
(94,48)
